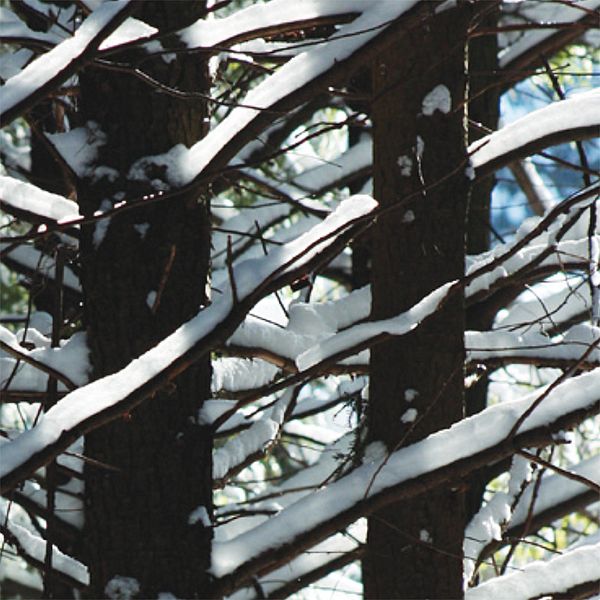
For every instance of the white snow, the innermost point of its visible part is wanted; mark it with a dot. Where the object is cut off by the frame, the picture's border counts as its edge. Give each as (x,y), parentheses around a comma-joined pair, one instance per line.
(438,98)
(122,588)
(79,147)
(151,299)
(234,374)
(33,260)
(29,198)
(502,344)
(466,438)
(409,416)
(405,163)
(130,30)
(515,44)
(358,334)
(199,515)
(543,578)
(74,410)
(258,17)
(70,359)
(184,165)
(578,112)
(51,64)
(35,547)
(408,217)
(410,394)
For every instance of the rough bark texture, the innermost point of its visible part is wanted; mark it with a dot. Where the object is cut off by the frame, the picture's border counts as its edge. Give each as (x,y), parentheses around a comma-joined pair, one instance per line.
(414,549)
(483,108)
(143,276)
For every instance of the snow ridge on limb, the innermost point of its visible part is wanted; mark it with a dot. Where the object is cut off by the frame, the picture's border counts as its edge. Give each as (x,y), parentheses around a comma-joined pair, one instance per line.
(260,20)
(515,258)
(575,118)
(560,575)
(33,549)
(33,204)
(454,452)
(108,398)
(282,91)
(34,82)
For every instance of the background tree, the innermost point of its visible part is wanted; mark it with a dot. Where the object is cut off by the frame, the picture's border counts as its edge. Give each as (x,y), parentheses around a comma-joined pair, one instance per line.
(126,89)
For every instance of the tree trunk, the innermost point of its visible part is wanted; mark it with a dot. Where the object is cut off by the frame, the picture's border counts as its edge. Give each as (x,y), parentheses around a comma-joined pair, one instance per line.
(483,108)
(414,549)
(144,274)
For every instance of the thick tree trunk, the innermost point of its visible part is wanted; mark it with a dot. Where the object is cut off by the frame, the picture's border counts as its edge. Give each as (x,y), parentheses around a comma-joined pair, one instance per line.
(145,273)
(414,549)
(483,108)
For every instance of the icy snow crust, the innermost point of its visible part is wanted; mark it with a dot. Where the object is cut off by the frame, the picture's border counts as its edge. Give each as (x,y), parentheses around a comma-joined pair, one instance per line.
(80,405)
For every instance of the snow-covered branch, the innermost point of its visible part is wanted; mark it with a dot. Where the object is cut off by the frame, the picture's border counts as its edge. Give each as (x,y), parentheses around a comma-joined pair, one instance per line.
(106,399)
(443,456)
(34,82)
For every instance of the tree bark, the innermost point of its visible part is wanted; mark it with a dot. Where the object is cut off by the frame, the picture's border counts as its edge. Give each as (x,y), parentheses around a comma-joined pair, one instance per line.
(483,108)
(414,549)
(144,274)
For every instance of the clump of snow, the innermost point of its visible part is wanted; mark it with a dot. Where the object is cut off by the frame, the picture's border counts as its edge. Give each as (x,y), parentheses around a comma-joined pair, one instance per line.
(101,227)
(28,197)
(420,147)
(484,527)
(199,515)
(409,416)
(79,147)
(234,374)
(151,299)
(131,29)
(122,588)
(438,98)
(470,172)
(142,229)
(409,216)
(405,163)
(410,394)
(425,536)
(548,578)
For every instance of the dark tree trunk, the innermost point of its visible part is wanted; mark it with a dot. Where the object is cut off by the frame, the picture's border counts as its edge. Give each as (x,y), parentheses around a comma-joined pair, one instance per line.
(483,108)
(414,549)
(144,274)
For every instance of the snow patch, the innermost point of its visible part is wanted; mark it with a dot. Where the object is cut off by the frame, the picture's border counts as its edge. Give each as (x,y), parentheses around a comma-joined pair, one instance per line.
(122,588)
(409,416)
(438,98)
(405,163)
(199,515)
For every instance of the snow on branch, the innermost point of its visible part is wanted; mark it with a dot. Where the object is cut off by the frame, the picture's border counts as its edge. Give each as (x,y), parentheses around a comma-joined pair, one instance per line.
(33,549)
(24,90)
(263,20)
(501,347)
(482,278)
(27,201)
(292,85)
(14,30)
(451,453)
(106,399)
(28,370)
(576,118)
(521,48)
(562,576)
